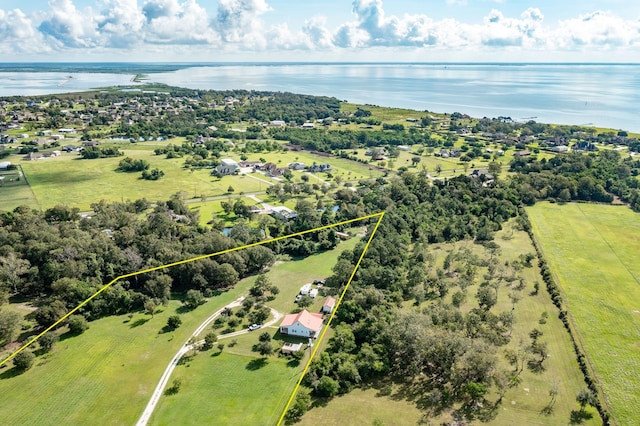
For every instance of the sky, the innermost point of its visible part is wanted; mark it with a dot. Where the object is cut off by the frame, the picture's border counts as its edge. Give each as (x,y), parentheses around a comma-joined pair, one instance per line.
(314,31)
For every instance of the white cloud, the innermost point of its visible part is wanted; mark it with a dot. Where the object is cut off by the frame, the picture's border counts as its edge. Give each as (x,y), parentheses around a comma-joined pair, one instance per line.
(172,22)
(238,26)
(66,26)
(317,35)
(121,23)
(597,29)
(238,21)
(17,33)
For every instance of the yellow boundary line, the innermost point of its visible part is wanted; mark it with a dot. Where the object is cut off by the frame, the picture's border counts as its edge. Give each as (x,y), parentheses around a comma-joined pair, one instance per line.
(193,259)
(326,327)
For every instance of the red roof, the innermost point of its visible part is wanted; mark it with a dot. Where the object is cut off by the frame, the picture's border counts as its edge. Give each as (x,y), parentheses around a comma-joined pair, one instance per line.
(307,319)
(330,301)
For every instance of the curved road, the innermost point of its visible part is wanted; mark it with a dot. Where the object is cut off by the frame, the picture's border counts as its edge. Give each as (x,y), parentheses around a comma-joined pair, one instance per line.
(157,393)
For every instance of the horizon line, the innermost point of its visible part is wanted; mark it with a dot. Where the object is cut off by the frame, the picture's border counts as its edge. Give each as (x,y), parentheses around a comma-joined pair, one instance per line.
(330,62)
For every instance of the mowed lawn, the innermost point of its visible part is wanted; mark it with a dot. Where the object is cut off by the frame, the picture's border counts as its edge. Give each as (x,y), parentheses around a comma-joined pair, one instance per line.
(106,375)
(234,386)
(70,180)
(593,251)
(228,389)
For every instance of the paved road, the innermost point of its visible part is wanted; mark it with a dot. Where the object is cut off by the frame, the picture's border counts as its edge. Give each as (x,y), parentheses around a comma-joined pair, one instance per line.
(157,393)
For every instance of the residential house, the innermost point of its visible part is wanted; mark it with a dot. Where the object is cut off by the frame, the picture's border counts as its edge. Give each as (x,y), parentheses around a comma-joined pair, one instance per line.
(277,123)
(272,170)
(584,146)
(308,126)
(315,168)
(227,167)
(560,148)
(302,324)
(328,305)
(32,156)
(283,213)
(90,143)
(296,166)
(482,176)
(522,153)
(5,165)
(313,293)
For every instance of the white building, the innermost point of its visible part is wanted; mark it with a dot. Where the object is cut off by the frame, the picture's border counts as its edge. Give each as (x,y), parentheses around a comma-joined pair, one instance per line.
(302,324)
(227,167)
(305,289)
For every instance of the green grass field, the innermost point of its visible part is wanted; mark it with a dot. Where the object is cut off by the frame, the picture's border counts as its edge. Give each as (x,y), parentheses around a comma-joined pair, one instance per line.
(235,387)
(522,404)
(593,252)
(228,388)
(14,192)
(72,181)
(106,375)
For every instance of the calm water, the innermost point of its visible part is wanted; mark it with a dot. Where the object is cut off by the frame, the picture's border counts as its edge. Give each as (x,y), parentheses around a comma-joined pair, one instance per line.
(601,95)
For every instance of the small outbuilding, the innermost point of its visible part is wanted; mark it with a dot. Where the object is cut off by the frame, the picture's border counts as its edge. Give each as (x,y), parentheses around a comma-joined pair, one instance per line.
(289,348)
(328,305)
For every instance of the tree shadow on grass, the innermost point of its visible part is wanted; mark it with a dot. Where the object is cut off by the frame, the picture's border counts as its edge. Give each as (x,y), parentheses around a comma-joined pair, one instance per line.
(184,309)
(579,416)
(293,363)
(320,402)
(138,322)
(256,364)
(10,373)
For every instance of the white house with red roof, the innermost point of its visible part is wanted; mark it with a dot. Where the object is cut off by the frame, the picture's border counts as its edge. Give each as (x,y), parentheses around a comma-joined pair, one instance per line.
(328,305)
(302,324)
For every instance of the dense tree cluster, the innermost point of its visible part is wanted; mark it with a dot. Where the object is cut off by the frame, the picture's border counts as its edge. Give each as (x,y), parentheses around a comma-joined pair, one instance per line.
(59,260)
(576,176)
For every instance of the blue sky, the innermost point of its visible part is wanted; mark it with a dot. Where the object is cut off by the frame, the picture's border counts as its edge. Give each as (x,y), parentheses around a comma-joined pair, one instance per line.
(332,30)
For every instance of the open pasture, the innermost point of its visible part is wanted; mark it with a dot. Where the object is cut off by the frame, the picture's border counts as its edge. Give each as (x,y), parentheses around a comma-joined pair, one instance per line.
(593,252)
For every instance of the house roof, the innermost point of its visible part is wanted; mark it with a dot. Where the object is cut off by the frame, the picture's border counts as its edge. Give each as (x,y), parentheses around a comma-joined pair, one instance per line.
(329,301)
(312,321)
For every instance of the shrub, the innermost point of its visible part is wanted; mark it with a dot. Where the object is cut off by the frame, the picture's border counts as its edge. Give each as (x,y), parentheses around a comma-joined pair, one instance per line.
(174,322)
(77,324)
(24,360)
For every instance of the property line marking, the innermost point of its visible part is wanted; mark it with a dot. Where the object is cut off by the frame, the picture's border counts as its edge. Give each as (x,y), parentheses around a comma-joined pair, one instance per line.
(335,309)
(181,262)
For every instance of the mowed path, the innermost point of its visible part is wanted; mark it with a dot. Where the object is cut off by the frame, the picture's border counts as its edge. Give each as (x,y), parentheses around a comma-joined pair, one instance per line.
(593,252)
(164,379)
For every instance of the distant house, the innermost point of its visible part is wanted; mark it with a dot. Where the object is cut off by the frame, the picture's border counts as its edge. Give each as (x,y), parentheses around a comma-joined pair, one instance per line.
(271,169)
(584,146)
(283,213)
(308,126)
(302,324)
(296,166)
(313,293)
(67,130)
(32,156)
(522,153)
(328,305)
(482,175)
(90,143)
(69,148)
(315,168)
(404,148)
(227,167)
(277,123)
(5,165)
(560,148)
